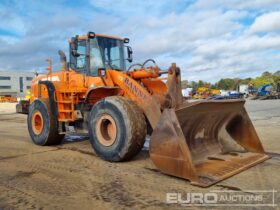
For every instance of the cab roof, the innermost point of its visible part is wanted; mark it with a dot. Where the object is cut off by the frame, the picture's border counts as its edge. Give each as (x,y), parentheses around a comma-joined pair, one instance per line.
(82,37)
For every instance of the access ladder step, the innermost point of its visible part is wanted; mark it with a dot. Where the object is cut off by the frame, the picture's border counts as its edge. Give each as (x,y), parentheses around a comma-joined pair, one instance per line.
(65,102)
(66,111)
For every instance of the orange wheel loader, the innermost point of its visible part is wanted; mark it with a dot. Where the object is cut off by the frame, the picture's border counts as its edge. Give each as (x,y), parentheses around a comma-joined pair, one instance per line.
(95,93)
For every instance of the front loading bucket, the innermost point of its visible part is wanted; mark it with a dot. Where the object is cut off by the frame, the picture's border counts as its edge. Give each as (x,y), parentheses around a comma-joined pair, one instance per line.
(206,142)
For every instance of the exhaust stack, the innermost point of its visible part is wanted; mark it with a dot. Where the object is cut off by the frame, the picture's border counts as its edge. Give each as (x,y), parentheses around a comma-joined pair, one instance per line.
(63,62)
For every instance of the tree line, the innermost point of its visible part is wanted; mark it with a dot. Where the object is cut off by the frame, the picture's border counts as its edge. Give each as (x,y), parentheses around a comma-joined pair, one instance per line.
(232,84)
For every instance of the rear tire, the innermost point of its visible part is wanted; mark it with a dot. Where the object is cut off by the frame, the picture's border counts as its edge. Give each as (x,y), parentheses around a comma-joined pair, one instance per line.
(117,129)
(42,125)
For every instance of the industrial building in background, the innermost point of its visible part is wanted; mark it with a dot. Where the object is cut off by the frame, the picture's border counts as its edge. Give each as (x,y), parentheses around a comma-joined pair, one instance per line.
(14,84)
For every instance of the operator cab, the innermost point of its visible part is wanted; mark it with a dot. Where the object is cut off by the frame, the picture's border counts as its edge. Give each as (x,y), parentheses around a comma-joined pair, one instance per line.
(91,53)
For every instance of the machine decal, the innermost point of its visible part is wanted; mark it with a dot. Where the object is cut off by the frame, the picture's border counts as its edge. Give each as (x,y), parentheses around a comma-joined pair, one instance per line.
(134,89)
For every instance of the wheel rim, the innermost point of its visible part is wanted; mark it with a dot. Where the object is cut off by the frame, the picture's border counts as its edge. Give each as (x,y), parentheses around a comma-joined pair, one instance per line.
(37,122)
(106,130)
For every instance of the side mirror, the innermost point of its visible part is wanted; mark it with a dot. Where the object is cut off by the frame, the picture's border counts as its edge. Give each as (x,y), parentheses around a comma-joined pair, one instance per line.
(74,46)
(129,54)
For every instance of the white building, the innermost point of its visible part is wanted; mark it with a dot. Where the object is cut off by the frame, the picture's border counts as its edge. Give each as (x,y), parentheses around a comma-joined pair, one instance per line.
(15,83)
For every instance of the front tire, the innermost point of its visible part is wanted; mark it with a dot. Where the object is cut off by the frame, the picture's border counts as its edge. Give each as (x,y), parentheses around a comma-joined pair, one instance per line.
(117,129)
(42,125)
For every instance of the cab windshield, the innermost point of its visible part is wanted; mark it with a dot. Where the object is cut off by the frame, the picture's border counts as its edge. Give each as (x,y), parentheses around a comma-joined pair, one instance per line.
(106,53)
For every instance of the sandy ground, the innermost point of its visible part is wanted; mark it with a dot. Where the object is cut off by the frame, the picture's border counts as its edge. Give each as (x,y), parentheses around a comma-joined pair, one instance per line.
(70,176)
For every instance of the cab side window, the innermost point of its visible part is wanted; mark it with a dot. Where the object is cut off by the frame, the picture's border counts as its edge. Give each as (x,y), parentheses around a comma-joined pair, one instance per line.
(81,59)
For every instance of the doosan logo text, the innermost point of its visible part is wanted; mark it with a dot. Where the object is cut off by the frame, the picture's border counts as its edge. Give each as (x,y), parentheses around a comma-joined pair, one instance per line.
(134,89)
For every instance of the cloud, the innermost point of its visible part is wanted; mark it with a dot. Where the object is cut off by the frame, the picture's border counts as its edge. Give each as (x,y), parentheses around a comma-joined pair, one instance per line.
(266,23)
(207,39)
(11,22)
(145,7)
(260,5)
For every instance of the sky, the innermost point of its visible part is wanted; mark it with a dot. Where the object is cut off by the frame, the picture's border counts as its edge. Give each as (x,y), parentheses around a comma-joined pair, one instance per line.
(208,39)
